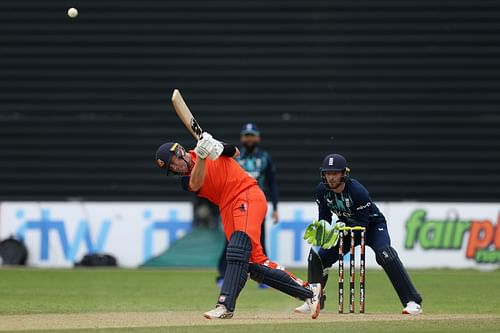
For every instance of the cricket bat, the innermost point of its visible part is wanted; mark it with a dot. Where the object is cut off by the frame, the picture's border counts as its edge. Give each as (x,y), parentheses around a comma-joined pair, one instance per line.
(185,115)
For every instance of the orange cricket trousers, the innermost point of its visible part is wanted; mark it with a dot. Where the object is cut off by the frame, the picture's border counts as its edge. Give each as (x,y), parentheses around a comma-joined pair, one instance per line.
(246,213)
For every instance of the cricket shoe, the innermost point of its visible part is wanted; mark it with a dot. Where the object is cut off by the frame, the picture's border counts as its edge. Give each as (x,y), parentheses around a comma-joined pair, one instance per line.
(314,302)
(220,312)
(305,308)
(412,308)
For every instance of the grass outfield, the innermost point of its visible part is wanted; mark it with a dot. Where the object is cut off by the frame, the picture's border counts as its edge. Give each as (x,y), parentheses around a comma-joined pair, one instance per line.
(174,301)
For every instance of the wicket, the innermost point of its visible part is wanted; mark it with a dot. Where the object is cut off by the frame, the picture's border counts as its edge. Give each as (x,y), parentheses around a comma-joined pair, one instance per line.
(352,270)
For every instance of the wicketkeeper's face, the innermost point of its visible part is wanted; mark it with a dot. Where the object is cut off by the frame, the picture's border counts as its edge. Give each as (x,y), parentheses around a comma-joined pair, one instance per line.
(333,178)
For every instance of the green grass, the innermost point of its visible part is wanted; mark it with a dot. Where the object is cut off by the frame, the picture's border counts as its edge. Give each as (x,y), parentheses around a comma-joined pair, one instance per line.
(38,291)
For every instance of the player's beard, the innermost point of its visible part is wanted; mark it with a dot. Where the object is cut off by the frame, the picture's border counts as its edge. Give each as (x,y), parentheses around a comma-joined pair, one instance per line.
(250,146)
(335,185)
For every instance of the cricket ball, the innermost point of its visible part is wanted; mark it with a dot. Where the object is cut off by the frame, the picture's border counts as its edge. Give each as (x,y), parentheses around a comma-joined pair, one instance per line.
(72,12)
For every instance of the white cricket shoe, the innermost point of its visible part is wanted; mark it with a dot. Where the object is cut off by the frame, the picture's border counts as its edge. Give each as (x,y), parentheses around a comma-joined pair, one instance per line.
(314,302)
(304,308)
(220,312)
(412,308)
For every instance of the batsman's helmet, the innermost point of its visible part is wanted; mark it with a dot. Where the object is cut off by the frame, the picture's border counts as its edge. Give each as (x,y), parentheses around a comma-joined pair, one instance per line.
(165,153)
(334,162)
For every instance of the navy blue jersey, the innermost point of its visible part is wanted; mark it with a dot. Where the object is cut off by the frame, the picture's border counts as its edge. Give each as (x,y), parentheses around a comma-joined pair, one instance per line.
(258,164)
(353,206)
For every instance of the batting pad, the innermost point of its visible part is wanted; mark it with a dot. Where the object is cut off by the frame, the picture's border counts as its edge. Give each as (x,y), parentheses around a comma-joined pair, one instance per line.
(237,255)
(279,280)
(315,268)
(388,258)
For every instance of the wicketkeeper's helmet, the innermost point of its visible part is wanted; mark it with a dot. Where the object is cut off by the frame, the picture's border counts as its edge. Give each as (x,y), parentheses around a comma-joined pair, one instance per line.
(334,162)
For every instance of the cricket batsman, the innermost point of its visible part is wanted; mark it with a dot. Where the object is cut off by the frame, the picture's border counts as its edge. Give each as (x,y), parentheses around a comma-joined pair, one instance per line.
(210,171)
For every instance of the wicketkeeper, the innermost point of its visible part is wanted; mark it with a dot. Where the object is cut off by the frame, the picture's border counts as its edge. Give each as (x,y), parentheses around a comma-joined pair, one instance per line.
(345,197)
(211,172)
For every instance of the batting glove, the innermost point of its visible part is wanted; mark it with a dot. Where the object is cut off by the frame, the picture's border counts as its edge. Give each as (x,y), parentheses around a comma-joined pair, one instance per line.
(217,150)
(206,136)
(204,146)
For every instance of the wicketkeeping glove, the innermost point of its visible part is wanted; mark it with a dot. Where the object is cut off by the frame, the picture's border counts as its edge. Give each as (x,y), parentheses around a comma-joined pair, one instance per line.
(339,225)
(333,237)
(316,232)
(320,233)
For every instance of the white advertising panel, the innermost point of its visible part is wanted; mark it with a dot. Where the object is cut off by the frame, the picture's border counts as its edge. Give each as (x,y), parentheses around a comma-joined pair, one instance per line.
(426,235)
(455,235)
(57,234)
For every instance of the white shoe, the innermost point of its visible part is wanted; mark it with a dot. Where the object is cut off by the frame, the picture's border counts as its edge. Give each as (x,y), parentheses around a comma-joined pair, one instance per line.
(219,312)
(412,308)
(304,308)
(314,302)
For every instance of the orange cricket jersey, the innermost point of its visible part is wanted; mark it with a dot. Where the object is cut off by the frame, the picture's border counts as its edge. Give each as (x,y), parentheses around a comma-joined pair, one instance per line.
(224,180)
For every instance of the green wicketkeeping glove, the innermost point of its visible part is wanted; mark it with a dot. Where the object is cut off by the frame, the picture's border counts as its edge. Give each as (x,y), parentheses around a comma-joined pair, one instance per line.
(339,225)
(332,237)
(319,233)
(316,232)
